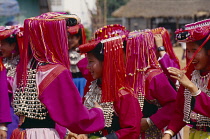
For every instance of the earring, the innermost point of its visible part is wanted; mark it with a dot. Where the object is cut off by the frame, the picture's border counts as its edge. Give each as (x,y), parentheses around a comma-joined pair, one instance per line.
(13,52)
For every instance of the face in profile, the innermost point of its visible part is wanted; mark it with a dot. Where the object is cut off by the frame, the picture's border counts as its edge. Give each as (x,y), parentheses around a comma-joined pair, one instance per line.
(73,41)
(6,49)
(202,59)
(95,66)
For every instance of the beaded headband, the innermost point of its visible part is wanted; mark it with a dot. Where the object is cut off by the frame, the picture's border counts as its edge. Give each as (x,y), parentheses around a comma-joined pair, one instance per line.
(194,31)
(71,19)
(87,47)
(104,33)
(9,31)
(111,31)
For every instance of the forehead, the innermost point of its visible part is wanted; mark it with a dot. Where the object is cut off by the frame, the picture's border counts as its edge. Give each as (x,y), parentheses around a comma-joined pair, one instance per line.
(90,55)
(191,45)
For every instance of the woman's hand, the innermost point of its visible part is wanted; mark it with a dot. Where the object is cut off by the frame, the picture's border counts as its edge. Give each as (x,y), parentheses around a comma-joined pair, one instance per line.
(72,135)
(98,106)
(3,134)
(3,131)
(182,78)
(159,43)
(158,40)
(144,124)
(166,136)
(82,136)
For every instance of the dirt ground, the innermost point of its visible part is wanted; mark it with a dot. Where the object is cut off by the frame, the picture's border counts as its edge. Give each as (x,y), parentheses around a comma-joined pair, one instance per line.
(179,51)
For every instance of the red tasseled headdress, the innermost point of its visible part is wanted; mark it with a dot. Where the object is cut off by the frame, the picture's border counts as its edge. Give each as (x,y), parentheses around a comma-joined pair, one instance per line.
(10,32)
(194,32)
(75,30)
(47,39)
(1,65)
(114,67)
(140,55)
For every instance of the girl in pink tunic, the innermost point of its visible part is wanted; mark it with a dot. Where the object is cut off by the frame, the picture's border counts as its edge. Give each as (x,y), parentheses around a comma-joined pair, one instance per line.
(193,97)
(45,95)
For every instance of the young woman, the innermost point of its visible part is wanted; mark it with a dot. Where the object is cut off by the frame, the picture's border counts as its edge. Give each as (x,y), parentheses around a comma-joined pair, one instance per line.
(193,98)
(76,37)
(156,95)
(121,108)
(11,39)
(44,93)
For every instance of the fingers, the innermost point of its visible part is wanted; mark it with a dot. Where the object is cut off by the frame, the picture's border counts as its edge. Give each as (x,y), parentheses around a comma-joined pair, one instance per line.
(176,73)
(158,40)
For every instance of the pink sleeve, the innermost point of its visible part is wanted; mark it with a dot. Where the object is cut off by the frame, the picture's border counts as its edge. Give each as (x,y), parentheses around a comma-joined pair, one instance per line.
(5,116)
(129,112)
(161,90)
(202,103)
(65,107)
(82,65)
(166,62)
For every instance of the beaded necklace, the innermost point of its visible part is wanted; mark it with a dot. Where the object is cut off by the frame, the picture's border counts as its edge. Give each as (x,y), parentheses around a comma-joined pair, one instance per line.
(94,95)
(201,82)
(75,57)
(26,100)
(10,65)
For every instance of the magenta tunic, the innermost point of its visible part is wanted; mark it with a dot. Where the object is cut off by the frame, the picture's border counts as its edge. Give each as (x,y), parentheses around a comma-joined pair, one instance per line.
(161,93)
(201,106)
(177,122)
(63,102)
(5,116)
(202,103)
(129,113)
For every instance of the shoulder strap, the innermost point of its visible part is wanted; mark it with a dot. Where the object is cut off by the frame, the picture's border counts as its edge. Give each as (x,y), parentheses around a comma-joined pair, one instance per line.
(50,77)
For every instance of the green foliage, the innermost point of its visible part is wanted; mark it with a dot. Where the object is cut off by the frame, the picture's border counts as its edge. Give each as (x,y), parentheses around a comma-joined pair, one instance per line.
(112,5)
(88,34)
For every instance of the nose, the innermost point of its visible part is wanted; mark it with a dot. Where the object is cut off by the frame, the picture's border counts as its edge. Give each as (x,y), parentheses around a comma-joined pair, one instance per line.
(190,55)
(88,66)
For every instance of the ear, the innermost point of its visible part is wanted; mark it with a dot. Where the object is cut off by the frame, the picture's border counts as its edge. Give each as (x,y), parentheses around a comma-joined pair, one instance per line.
(13,45)
(208,52)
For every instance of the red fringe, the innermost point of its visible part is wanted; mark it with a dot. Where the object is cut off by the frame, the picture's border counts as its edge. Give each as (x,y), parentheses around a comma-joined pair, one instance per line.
(18,134)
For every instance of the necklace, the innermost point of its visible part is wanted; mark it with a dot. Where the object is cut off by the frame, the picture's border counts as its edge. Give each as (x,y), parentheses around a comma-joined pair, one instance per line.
(10,65)
(201,82)
(94,95)
(26,100)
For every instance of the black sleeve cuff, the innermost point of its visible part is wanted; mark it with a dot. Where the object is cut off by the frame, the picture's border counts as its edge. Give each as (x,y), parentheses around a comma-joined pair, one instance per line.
(111,136)
(193,103)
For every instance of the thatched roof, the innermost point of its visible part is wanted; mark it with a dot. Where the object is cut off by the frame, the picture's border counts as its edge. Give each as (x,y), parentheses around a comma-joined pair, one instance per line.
(163,8)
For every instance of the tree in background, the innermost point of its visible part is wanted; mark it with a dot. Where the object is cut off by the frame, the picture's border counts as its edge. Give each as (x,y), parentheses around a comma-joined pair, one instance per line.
(112,5)
(104,8)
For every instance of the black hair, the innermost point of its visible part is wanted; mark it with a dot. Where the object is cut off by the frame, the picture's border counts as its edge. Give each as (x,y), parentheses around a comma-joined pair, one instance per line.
(79,34)
(200,42)
(11,40)
(71,22)
(98,52)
